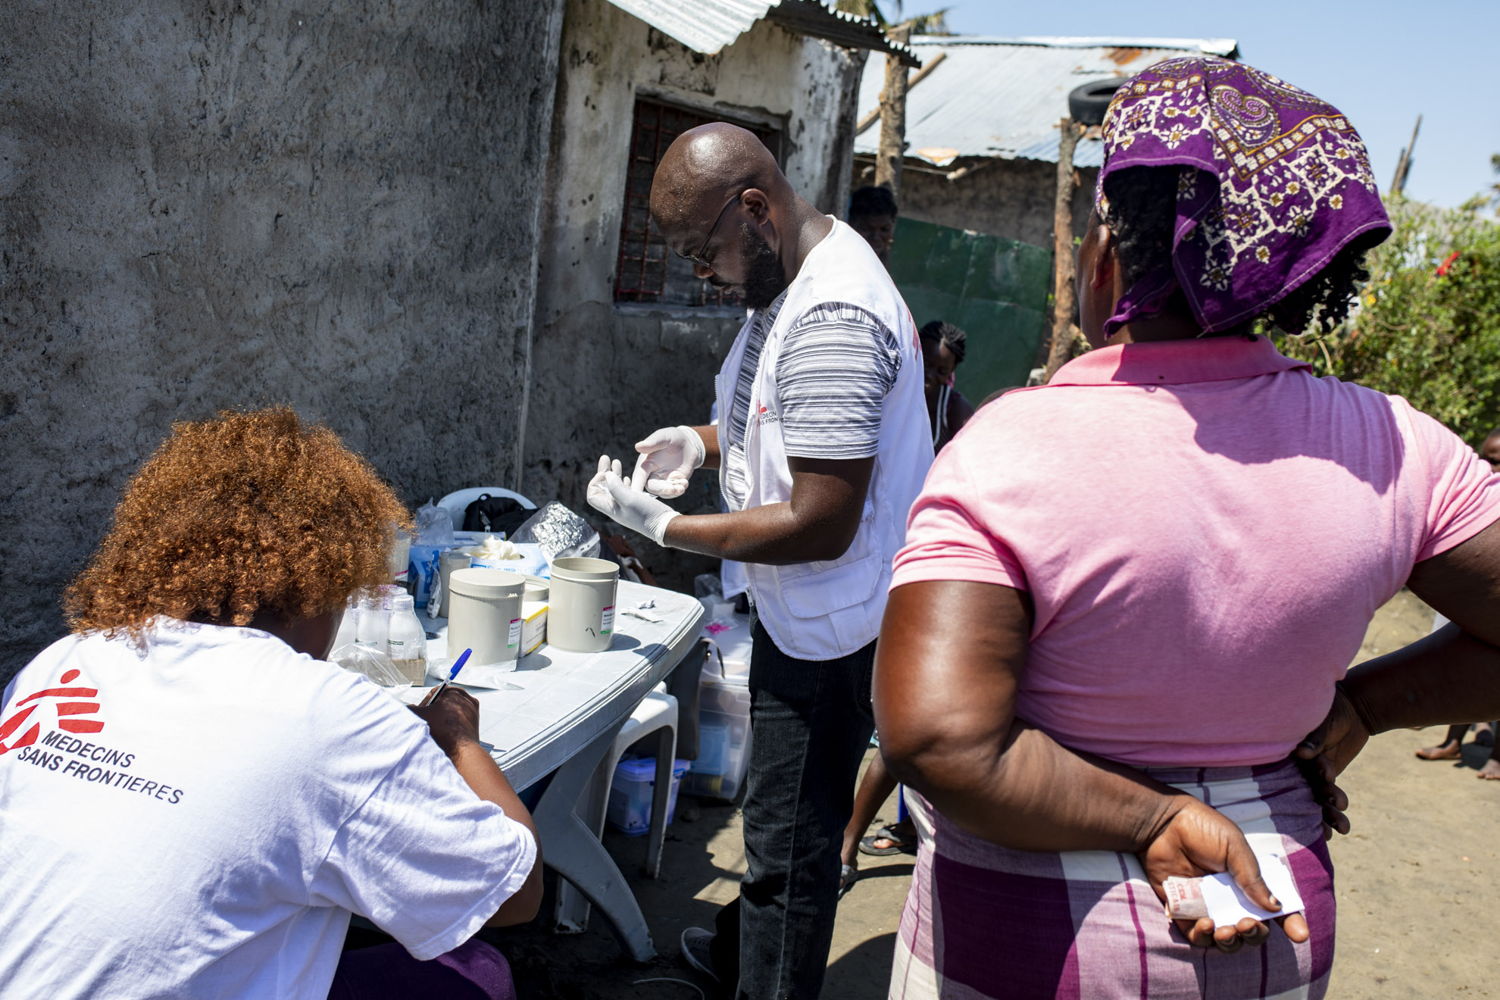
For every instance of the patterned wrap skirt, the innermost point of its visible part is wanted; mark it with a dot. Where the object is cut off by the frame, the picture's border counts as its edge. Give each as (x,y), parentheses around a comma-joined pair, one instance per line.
(986,923)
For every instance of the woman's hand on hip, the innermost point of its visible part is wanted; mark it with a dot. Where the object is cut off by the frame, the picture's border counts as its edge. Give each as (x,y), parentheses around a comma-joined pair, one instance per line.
(1195,840)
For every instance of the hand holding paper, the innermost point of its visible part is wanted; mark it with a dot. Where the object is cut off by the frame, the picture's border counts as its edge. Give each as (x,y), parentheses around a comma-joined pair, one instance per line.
(1197,840)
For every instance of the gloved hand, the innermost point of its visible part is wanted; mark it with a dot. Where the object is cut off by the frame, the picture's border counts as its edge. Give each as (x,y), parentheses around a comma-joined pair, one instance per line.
(668,459)
(609,494)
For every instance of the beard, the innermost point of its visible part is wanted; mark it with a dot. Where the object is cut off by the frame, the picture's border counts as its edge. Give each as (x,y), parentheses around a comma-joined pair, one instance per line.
(764,278)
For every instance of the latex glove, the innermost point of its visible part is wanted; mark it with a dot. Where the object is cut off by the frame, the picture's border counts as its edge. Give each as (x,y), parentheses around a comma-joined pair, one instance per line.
(668,459)
(611,495)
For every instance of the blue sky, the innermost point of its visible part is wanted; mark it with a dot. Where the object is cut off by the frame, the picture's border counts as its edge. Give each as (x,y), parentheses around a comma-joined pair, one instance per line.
(1380,62)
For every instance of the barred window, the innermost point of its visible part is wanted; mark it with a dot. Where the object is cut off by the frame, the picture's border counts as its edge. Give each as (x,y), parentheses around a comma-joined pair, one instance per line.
(647,271)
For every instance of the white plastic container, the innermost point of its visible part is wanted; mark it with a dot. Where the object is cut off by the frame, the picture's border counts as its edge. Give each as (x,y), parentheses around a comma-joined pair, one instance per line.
(448,561)
(407,639)
(484,614)
(631,791)
(581,606)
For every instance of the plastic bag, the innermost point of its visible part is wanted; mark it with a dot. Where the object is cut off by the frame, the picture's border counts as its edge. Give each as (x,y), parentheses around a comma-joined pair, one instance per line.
(371,662)
(559,532)
(434,526)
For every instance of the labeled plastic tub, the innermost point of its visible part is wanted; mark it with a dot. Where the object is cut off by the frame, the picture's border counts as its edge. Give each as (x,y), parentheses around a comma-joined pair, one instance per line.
(630,794)
(723,712)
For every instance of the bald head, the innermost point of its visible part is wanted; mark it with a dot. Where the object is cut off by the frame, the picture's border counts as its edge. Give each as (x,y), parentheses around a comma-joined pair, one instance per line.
(704,167)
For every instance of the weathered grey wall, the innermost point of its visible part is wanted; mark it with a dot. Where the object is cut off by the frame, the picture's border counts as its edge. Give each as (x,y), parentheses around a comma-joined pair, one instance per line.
(1009,198)
(212,205)
(606,375)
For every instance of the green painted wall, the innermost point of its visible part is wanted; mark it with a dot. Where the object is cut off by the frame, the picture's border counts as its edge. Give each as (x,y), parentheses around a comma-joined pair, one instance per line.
(993,288)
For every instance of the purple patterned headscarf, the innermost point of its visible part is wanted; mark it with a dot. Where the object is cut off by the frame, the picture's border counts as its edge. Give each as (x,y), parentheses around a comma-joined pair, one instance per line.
(1272,184)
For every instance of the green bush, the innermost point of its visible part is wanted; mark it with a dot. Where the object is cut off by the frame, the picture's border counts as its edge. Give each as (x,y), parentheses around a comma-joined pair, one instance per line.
(1428,323)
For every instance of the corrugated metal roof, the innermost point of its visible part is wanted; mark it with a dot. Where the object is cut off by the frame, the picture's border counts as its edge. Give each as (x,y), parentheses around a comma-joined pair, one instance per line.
(708,25)
(1003,97)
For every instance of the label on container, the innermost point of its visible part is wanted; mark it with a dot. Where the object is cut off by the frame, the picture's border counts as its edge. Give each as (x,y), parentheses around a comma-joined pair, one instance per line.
(607,620)
(513,636)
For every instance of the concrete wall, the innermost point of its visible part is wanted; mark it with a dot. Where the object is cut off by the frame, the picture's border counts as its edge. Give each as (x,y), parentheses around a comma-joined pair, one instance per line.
(212,205)
(1009,198)
(606,375)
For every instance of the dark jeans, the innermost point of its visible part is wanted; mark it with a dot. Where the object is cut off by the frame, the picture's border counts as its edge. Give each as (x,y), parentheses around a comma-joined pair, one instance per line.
(810,722)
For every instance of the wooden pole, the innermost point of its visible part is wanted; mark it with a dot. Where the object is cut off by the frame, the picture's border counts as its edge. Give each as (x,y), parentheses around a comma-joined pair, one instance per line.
(892,146)
(1403,165)
(1061,344)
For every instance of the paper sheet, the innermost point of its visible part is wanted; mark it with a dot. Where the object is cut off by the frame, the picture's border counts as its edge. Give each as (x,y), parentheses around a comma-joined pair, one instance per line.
(1228,904)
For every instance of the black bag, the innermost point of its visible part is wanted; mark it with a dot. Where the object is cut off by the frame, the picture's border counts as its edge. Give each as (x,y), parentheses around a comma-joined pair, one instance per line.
(496,515)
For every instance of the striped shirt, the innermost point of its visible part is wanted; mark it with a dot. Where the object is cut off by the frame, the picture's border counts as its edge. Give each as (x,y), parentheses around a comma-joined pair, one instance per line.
(837,363)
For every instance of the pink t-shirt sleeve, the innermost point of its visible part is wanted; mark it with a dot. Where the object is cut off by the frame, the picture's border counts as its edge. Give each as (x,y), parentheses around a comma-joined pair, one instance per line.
(946,534)
(1464,494)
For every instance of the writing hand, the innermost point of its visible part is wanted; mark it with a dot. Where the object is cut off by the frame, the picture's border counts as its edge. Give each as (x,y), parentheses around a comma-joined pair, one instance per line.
(452,718)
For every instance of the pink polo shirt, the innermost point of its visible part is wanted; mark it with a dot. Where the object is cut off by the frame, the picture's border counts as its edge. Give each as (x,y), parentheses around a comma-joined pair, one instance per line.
(1205,530)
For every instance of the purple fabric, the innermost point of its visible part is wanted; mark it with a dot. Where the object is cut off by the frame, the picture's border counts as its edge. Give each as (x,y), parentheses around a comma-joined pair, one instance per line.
(1272,184)
(986,923)
(472,971)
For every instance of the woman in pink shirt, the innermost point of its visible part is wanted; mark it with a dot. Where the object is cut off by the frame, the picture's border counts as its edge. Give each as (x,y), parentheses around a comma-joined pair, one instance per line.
(1116,643)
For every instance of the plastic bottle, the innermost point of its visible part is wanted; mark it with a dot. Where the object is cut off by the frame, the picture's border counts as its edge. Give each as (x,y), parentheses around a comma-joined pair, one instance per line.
(407,639)
(371,622)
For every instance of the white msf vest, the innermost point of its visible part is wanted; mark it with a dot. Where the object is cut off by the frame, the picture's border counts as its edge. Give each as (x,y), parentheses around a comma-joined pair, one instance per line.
(827,609)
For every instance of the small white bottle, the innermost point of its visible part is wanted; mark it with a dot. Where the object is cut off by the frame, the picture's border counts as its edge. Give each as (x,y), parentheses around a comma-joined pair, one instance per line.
(371,622)
(407,639)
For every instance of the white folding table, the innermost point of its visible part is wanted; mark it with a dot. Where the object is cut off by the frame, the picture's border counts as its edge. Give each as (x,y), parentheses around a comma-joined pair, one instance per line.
(559,714)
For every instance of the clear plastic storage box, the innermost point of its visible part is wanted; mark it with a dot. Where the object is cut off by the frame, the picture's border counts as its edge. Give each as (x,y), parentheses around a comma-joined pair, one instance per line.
(630,794)
(723,712)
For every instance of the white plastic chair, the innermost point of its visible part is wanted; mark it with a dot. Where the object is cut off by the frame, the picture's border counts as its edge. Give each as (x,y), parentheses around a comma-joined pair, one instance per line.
(655,716)
(456,502)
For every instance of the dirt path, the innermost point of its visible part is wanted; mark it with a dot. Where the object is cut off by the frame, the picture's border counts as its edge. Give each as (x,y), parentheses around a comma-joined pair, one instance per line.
(1417,877)
(1418,874)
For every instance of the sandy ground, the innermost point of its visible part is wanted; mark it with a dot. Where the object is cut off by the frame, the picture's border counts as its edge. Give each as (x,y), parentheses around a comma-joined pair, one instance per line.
(1417,877)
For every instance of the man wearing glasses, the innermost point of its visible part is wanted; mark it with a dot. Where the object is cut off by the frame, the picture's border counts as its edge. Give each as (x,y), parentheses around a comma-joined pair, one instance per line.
(821,447)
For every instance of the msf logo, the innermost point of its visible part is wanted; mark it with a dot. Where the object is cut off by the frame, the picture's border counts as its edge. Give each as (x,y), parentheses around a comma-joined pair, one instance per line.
(68,702)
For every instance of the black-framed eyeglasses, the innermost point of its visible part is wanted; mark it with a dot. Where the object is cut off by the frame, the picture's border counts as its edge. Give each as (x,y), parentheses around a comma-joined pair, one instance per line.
(697,257)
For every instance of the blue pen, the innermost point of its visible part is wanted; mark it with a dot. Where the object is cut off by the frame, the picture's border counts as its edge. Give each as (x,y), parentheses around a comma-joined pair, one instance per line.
(458,665)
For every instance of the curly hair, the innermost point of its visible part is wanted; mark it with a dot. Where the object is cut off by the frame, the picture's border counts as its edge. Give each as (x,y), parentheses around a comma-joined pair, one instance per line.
(246,514)
(946,335)
(1140,217)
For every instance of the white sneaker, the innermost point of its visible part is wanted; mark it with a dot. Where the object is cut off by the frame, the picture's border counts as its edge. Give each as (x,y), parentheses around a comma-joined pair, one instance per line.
(696,951)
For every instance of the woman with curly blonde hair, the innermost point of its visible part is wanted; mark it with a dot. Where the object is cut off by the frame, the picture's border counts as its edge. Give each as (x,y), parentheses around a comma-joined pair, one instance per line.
(195,804)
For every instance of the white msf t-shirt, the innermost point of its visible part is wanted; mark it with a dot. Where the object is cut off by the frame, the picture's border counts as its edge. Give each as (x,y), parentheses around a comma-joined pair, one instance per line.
(200,819)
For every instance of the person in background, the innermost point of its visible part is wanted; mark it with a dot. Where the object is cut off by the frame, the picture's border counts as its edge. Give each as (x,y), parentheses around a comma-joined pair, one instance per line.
(872,214)
(820,448)
(1156,683)
(194,802)
(943,349)
(1452,746)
